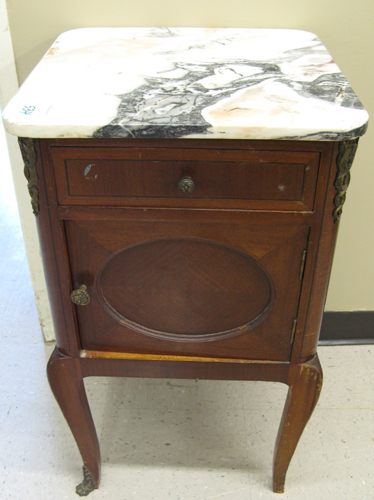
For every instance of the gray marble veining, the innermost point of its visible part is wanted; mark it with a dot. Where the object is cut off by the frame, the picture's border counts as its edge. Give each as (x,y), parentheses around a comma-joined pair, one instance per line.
(187,83)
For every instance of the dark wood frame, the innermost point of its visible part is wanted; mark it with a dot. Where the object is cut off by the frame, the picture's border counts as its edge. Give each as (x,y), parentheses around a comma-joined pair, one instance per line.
(70,363)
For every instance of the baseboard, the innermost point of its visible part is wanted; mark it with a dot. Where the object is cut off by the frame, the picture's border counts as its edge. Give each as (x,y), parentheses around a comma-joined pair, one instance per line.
(347,328)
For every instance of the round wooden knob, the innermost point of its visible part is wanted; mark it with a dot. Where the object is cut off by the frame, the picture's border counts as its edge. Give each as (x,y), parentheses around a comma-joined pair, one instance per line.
(186,185)
(80,296)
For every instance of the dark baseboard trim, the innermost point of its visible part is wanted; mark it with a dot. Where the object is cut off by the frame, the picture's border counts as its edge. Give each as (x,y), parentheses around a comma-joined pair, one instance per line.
(347,328)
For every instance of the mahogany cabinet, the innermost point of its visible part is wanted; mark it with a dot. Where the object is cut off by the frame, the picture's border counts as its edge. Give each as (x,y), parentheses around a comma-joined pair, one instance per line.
(187,185)
(223,279)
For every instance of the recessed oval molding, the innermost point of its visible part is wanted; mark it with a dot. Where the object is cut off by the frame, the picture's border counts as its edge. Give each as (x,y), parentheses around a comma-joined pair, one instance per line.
(185,290)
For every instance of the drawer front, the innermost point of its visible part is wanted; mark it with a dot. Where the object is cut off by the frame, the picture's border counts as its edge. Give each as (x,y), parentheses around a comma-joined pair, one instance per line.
(224,179)
(187,288)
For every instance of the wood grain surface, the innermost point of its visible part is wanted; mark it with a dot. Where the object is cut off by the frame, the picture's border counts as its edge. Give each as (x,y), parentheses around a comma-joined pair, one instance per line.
(248,252)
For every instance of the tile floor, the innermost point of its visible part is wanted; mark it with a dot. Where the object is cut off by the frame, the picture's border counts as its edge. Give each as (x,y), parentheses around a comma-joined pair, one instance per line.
(169,439)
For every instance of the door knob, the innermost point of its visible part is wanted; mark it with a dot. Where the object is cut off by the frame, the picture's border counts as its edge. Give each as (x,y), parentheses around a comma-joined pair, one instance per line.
(80,296)
(186,185)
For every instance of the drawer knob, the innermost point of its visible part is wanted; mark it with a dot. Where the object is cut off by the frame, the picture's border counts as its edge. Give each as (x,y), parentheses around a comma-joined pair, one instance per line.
(80,296)
(186,185)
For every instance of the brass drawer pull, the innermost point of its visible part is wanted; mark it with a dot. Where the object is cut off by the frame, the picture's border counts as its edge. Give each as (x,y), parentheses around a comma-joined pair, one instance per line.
(186,185)
(80,296)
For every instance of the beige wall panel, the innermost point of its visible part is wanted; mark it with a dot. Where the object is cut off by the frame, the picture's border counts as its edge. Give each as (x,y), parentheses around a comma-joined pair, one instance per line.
(8,86)
(345,27)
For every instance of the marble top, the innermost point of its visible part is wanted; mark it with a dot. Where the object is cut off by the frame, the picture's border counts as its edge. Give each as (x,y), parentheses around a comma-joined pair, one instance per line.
(224,83)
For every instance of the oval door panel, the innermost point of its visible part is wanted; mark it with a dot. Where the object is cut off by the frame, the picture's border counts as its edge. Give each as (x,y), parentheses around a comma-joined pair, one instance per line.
(185,289)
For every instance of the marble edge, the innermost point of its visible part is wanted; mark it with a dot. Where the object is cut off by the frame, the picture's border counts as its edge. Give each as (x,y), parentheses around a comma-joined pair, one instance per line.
(168,133)
(190,131)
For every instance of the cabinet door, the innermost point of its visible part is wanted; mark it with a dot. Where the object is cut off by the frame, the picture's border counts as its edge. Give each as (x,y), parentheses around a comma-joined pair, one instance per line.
(188,287)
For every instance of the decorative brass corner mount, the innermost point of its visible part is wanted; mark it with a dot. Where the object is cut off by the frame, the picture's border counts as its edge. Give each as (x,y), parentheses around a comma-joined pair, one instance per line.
(87,485)
(29,159)
(347,151)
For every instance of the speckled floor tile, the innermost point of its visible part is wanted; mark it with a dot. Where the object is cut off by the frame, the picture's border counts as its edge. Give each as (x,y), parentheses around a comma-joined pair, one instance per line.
(347,382)
(168,452)
(178,483)
(261,395)
(337,455)
(173,438)
(171,394)
(368,352)
(334,458)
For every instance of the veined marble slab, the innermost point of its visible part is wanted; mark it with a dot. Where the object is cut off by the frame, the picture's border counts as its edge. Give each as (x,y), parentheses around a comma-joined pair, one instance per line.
(187,82)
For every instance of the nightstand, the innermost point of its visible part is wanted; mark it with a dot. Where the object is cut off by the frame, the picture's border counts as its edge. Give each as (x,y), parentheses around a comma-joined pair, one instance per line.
(187,185)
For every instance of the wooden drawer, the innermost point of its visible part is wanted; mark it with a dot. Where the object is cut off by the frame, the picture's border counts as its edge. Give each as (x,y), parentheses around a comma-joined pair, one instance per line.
(149,176)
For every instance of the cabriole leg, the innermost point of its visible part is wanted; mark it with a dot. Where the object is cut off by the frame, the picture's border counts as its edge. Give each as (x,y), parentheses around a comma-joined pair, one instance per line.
(305,383)
(66,381)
